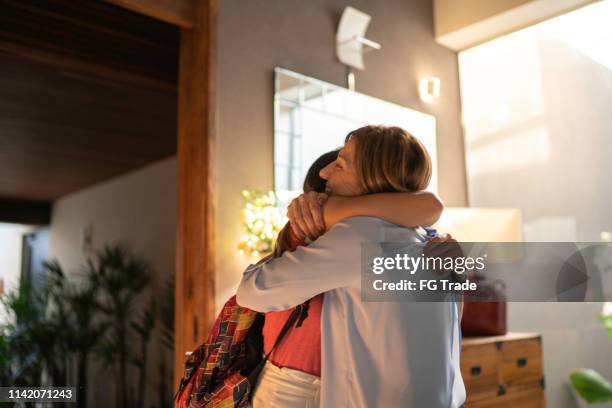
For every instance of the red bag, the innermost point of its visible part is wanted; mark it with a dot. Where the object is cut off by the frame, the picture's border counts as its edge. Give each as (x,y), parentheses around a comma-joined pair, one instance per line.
(482,317)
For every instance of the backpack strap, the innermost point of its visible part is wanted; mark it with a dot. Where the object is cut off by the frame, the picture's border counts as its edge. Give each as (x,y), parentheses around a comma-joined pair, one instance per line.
(299,312)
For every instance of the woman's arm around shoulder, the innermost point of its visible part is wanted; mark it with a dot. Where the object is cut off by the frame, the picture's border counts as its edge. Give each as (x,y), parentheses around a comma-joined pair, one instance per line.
(414,209)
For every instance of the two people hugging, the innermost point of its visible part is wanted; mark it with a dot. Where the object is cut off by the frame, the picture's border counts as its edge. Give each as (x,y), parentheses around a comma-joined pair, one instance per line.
(346,352)
(297,333)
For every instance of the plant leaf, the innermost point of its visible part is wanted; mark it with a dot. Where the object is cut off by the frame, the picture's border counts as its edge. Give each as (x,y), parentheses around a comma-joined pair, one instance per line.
(591,385)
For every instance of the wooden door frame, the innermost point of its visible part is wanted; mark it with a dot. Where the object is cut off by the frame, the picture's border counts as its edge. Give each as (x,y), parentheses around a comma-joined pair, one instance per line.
(195,240)
(195,229)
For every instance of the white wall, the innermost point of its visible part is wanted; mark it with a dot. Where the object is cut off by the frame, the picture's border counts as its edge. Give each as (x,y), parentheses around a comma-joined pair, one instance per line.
(536,112)
(138,208)
(10,253)
(573,338)
(10,257)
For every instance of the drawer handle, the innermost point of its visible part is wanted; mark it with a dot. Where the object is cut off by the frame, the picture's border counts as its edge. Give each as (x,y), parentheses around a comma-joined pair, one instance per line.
(476,370)
(521,362)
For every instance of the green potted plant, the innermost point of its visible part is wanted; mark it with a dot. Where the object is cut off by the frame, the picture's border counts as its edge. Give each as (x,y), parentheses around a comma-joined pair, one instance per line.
(58,329)
(122,277)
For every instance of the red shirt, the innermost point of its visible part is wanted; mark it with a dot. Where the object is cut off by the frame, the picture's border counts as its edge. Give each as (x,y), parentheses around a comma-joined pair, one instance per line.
(301,347)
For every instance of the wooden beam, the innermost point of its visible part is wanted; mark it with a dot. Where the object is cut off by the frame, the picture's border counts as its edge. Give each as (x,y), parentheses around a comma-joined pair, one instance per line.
(195,284)
(89,69)
(25,211)
(178,12)
(91,39)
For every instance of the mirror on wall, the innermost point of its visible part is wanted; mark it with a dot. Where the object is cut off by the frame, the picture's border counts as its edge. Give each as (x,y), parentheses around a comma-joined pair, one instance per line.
(312,117)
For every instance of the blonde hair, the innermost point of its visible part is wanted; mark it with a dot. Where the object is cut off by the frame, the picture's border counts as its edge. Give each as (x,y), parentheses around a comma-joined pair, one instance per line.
(388,158)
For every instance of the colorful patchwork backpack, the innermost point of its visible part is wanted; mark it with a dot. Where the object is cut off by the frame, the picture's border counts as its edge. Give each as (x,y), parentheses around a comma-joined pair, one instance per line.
(222,372)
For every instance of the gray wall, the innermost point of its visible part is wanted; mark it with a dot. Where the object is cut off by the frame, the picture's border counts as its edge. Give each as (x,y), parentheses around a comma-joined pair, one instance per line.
(256,36)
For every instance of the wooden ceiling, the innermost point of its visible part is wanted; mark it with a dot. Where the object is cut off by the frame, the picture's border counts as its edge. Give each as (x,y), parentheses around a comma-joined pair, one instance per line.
(87,92)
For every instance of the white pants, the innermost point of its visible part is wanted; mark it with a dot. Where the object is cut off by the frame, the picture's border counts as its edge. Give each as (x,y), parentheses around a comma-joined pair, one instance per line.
(286,388)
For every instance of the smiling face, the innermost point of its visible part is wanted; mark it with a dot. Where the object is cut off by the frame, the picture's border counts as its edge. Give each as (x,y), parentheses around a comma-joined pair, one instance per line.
(341,174)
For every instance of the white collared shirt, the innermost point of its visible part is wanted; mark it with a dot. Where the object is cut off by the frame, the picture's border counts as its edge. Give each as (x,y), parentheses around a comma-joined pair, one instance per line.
(373,354)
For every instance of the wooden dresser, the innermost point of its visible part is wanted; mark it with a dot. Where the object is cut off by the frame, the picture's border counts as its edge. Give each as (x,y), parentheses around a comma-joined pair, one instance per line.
(503,371)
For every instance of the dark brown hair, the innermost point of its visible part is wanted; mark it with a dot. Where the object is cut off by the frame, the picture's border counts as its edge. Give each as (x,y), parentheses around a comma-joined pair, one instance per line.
(312,182)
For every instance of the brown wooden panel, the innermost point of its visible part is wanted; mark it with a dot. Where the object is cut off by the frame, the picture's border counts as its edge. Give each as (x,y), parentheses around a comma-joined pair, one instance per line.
(479,369)
(91,38)
(195,228)
(102,101)
(532,397)
(177,12)
(521,362)
(503,371)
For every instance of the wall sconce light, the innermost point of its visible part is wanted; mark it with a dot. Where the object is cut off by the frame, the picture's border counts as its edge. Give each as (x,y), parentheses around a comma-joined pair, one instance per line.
(429,89)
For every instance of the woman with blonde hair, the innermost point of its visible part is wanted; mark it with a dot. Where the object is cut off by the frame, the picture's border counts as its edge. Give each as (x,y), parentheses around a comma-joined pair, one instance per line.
(379,173)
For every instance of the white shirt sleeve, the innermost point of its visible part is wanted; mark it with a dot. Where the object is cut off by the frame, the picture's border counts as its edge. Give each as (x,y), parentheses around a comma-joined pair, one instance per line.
(330,262)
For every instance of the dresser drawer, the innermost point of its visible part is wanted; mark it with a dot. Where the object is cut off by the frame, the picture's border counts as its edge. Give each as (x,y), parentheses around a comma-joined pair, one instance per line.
(479,368)
(521,362)
(503,371)
(529,397)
